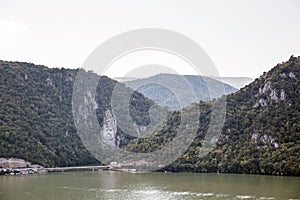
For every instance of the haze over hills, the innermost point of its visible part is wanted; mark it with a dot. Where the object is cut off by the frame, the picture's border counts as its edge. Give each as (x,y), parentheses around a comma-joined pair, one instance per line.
(166,89)
(124,79)
(237,82)
(261,134)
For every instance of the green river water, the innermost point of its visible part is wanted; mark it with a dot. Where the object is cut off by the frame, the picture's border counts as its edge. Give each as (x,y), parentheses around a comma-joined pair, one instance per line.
(152,186)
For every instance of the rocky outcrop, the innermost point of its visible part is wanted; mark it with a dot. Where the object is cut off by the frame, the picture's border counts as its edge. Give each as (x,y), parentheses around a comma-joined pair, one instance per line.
(264,141)
(49,82)
(267,87)
(87,108)
(274,94)
(292,75)
(282,95)
(90,101)
(108,134)
(260,103)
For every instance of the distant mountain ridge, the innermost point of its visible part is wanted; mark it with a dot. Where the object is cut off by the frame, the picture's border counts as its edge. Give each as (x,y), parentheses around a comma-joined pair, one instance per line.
(237,82)
(124,79)
(155,89)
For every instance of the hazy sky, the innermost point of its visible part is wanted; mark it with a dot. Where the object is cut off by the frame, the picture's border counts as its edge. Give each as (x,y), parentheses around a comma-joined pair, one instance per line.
(243,38)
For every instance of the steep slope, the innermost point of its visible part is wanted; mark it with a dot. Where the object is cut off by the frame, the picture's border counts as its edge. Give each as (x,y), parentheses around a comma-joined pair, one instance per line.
(36,121)
(261,134)
(154,89)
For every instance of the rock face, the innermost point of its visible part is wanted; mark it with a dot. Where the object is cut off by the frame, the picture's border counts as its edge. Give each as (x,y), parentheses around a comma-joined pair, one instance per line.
(292,75)
(49,82)
(262,102)
(282,95)
(273,96)
(276,95)
(90,100)
(108,134)
(264,141)
(87,108)
(267,87)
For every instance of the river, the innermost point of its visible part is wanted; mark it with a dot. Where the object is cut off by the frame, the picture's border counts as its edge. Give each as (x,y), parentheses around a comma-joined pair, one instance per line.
(148,186)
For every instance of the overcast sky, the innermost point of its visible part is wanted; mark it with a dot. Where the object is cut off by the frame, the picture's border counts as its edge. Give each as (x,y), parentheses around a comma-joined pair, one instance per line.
(243,38)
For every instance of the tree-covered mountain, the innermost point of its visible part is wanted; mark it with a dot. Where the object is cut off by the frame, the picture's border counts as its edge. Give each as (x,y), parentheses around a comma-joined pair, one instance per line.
(261,134)
(164,89)
(36,121)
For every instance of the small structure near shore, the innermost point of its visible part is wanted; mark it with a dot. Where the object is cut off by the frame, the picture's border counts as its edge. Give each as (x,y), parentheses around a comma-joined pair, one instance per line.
(17,166)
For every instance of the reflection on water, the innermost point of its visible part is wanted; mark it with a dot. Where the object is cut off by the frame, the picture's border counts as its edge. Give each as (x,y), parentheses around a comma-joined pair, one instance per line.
(152,186)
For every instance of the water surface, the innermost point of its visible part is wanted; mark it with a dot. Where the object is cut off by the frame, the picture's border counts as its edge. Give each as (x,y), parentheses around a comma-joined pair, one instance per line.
(152,186)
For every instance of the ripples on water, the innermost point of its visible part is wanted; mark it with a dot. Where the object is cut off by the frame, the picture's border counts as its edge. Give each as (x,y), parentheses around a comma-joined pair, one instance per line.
(158,195)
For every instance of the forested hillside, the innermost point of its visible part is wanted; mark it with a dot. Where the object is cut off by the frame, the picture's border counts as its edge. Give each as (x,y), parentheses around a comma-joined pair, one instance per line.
(261,134)
(36,121)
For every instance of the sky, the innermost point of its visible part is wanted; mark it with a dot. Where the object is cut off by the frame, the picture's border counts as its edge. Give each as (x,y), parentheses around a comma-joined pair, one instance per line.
(243,38)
